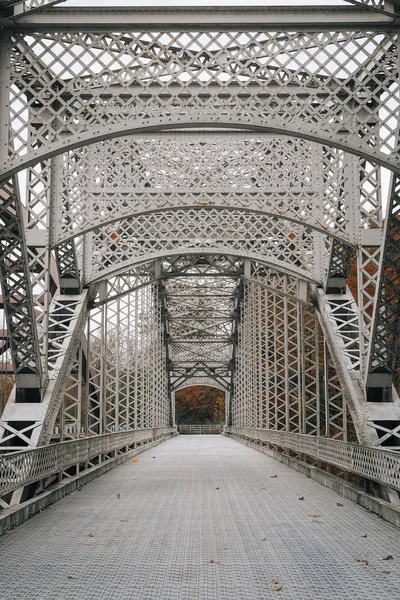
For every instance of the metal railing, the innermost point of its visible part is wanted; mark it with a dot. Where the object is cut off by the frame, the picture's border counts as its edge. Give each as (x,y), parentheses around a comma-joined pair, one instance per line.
(382,466)
(200,429)
(21,468)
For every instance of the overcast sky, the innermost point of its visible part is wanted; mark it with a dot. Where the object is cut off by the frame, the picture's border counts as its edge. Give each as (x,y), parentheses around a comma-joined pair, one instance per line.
(115,3)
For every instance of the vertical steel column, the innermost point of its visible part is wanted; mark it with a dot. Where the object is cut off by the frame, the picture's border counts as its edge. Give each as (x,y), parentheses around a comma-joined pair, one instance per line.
(384,345)
(369,252)
(311,362)
(136,374)
(14,264)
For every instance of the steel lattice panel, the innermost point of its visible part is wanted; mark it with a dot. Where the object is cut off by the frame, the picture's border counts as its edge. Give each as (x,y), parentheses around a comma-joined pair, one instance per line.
(327,84)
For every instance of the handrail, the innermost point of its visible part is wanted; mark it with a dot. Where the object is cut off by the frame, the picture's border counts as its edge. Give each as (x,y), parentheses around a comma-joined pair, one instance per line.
(200,429)
(18,469)
(376,464)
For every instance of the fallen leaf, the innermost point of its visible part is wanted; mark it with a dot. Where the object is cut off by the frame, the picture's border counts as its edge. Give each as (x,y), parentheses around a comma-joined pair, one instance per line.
(264,540)
(213,562)
(363,560)
(277,589)
(338,504)
(274,581)
(118,496)
(89,534)
(313,516)
(70,577)
(135,460)
(389,557)
(153,457)
(386,572)
(301,498)
(217,488)
(316,521)
(273,476)
(364,536)
(123,520)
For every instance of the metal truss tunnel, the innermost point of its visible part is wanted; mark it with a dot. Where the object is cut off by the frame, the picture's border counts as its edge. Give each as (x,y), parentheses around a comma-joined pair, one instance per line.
(184,195)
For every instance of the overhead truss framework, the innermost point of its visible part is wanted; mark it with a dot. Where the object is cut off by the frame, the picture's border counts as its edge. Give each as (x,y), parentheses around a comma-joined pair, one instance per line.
(185,203)
(12,9)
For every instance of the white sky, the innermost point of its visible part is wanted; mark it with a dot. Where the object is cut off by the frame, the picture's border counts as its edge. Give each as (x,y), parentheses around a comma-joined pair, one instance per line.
(185,3)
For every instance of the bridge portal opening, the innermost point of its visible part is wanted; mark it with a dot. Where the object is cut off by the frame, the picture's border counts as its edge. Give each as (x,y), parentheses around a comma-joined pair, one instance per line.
(199,405)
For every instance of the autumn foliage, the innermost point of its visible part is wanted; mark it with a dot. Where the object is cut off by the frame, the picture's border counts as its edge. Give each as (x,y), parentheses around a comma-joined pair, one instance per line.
(199,405)
(6,385)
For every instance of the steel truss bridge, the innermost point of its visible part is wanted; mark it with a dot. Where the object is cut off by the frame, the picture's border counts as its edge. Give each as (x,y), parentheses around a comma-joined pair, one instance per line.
(185,196)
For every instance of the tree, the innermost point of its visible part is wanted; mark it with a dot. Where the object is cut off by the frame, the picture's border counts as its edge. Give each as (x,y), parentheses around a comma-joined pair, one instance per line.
(199,405)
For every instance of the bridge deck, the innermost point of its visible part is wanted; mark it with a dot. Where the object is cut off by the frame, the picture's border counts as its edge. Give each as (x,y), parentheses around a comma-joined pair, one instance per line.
(205,519)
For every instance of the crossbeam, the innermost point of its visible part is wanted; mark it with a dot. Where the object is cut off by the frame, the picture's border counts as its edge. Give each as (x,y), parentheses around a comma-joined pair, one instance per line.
(243,18)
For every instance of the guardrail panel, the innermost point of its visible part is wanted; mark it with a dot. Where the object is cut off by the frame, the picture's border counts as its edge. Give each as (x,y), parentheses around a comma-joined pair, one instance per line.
(22,468)
(381,466)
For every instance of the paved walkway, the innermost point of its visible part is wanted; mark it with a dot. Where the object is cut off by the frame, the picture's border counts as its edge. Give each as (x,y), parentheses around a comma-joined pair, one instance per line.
(206,519)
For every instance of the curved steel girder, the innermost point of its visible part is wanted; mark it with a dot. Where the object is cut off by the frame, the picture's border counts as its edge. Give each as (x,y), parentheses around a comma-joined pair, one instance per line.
(25,8)
(195,381)
(271,241)
(140,126)
(278,266)
(372,7)
(100,225)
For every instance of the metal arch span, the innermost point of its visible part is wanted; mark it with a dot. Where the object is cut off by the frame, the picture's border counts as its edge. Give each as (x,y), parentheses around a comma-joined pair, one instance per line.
(275,242)
(205,381)
(192,266)
(112,223)
(94,136)
(125,177)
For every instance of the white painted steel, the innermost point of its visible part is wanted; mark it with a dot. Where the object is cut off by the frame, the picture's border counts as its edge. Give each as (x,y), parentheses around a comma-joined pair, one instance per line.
(186,182)
(372,463)
(21,468)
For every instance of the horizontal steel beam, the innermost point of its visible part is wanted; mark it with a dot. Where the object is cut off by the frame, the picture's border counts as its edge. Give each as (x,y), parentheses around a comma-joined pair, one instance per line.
(271,18)
(198,340)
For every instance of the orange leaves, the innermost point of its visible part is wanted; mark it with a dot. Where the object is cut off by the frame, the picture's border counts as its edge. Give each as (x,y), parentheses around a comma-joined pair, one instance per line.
(315,518)
(275,583)
(200,404)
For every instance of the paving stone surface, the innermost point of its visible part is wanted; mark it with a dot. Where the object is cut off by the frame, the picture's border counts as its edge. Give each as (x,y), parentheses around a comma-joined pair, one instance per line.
(206,519)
